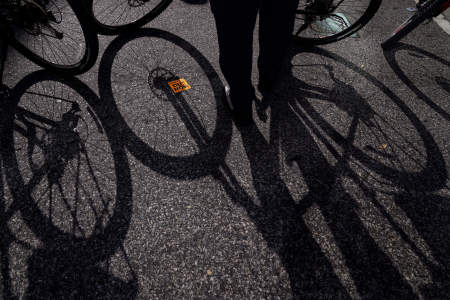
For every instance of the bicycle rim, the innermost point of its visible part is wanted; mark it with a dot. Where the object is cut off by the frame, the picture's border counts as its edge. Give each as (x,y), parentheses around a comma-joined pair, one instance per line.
(117,16)
(349,16)
(63,44)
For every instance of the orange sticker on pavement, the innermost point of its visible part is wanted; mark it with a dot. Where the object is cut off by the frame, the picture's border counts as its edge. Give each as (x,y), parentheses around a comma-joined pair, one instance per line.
(179,85)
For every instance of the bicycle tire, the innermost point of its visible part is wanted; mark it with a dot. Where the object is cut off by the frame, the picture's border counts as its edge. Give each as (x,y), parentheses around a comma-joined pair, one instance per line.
(86,60)
(412,22)
(111,29)
(368,14)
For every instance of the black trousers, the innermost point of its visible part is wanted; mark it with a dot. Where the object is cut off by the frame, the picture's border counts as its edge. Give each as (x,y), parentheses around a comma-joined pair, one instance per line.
(235,22)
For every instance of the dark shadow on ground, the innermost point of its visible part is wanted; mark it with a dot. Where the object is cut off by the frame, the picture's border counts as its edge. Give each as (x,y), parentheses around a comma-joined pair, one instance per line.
(293,119)
(299,132)
(430,215)
(416,53)
(62,192)
(196,2)
(303,258)
(157,73)
(6,238)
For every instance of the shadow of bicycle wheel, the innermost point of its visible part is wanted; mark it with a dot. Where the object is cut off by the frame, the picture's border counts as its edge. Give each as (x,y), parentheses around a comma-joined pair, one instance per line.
(70,180)
(421,74)
(175,134)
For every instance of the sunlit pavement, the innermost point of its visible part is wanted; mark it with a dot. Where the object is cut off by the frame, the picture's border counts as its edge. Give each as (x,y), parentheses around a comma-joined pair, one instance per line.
(339,191)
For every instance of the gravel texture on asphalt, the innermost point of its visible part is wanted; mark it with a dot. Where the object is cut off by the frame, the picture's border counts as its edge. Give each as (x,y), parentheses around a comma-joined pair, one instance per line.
(113,187)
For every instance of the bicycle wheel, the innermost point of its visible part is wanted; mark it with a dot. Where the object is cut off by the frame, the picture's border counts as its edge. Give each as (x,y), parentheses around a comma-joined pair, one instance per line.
(117,16)
(316,26)
(423,13)
(58,38)
(67,172)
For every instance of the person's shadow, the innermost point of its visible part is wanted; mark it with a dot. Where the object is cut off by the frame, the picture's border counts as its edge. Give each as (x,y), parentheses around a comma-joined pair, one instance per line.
(296,130)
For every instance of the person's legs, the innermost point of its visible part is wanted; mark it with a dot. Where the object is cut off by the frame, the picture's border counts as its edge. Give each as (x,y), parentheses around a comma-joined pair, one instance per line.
(276,22)
(235,22)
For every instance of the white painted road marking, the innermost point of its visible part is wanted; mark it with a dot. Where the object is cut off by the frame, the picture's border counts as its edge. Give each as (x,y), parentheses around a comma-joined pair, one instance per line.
(442,22)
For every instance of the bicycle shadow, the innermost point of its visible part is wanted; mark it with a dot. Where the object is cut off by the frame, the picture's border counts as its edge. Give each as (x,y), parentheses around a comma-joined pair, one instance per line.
(427,211)
(134,112)
(60,201)
(307,137)
(429,214)
(5,241)
(418,53)
(212,160)
(297,129)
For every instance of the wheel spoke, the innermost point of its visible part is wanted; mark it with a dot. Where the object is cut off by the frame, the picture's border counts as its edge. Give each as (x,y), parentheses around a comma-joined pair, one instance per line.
(311,25)
(117,13)
(58,40)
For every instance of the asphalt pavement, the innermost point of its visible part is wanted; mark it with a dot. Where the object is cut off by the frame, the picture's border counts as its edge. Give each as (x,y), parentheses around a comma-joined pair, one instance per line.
(114,187)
